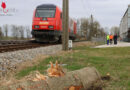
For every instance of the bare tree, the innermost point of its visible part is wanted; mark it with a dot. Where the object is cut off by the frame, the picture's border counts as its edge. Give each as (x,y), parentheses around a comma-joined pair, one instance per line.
(115,30)
(85,26)
(101,33)
(6,30)
(106,30)
(96,28)
(1,33)
(21,32)
(91,28)
(28,32)
(15,32)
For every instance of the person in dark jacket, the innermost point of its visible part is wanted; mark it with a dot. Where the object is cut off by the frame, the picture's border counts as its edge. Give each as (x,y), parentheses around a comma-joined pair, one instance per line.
(115,39)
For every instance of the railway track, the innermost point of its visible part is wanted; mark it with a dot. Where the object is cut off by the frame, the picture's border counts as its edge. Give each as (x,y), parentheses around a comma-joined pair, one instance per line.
(7,42)
(7,46)
(14,45)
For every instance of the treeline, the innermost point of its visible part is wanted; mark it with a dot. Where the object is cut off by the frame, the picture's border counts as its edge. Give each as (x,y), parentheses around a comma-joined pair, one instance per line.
(90,28)
(15,32)
(115,30)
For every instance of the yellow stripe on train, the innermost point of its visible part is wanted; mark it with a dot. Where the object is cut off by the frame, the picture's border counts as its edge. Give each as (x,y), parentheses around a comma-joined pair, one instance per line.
(44,23)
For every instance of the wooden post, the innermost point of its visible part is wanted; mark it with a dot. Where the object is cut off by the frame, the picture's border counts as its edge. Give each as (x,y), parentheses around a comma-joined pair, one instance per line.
(65,25)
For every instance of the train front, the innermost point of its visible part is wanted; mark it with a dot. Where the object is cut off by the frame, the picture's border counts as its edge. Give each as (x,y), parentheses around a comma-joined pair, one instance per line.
(46,25)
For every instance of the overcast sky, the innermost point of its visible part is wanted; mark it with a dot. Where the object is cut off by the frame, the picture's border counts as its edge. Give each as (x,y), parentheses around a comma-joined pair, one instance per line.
(107,12)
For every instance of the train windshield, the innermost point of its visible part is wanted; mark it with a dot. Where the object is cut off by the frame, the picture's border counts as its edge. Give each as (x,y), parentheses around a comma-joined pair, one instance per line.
(45,13)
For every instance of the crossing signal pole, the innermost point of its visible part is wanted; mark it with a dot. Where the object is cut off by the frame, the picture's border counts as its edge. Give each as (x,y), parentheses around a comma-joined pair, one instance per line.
(65,25)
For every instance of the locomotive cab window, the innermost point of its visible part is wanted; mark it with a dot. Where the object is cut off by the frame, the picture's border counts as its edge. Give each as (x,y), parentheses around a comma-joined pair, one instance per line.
(45,13)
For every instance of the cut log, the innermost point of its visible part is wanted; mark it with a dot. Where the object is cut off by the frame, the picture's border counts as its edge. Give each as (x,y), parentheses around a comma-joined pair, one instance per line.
(84,79)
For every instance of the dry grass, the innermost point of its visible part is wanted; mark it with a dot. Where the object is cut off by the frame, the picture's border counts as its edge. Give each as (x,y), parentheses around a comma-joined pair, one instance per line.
(30,63)
(87,43)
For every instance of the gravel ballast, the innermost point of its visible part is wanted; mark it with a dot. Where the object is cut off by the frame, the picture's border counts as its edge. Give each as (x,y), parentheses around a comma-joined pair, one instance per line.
(9,60)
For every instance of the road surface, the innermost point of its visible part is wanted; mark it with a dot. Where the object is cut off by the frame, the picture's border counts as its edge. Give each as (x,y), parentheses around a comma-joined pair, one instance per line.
(119,44)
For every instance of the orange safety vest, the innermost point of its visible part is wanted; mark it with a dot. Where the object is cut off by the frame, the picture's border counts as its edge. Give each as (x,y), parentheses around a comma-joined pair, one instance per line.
(111,36)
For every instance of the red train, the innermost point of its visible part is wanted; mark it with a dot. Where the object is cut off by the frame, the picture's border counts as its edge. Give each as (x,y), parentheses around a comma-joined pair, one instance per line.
(47,24)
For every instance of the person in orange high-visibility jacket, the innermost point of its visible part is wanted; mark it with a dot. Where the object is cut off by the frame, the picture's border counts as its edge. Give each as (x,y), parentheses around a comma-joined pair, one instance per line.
(111,38)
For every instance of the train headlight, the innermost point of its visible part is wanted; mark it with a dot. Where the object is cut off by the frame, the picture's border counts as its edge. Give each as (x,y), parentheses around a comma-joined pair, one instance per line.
(36,26)
(51,27)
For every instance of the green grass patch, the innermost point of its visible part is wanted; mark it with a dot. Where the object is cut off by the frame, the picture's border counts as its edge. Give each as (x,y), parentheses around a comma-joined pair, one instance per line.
(115,61)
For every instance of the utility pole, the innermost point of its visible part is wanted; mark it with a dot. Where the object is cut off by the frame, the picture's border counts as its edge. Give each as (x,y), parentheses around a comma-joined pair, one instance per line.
(91,28)
(65,25)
